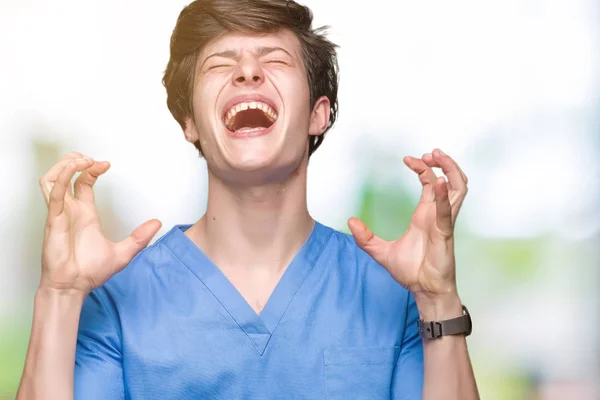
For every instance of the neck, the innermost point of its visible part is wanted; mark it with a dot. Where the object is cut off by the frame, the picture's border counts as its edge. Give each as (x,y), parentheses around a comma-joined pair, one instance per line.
(254,228)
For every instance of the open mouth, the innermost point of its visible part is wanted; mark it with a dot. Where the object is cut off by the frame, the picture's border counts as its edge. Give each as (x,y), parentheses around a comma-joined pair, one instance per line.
(250,116)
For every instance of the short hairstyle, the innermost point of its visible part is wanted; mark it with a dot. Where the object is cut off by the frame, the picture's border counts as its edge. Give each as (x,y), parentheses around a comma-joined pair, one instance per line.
(203,21)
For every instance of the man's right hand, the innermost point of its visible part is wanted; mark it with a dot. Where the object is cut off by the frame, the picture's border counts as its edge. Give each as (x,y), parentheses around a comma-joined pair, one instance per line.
(76,255)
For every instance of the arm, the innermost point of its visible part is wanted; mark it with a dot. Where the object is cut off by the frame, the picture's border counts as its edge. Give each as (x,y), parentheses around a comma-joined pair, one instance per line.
(76,259)
(437,368)
(422,260)
(51,354)
(62,364)
(448,371)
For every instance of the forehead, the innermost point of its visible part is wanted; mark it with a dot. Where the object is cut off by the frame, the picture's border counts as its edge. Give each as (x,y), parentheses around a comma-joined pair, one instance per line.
(242,42)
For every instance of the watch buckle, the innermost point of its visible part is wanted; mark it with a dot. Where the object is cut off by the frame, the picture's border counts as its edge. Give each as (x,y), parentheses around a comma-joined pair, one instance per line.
(434,329)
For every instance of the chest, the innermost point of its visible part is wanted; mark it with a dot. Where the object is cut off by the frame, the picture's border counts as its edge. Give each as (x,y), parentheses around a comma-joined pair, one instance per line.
(306,357)
(323,333)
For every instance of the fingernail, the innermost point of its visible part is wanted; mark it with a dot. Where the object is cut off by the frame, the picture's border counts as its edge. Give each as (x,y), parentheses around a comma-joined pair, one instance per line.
(441,152)
(80,160)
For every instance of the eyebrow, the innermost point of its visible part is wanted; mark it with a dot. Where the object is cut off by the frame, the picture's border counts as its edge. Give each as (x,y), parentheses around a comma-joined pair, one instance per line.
(260,51)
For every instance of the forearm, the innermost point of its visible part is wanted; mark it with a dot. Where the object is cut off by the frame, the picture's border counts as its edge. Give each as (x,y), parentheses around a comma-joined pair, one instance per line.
(49,366)
(448,371)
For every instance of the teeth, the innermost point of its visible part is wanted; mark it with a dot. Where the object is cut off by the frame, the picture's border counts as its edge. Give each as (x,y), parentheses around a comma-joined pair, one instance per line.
(253,105)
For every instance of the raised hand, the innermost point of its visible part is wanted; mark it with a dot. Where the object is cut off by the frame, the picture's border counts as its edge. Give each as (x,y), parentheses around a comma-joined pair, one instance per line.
(76,255)
(422,259)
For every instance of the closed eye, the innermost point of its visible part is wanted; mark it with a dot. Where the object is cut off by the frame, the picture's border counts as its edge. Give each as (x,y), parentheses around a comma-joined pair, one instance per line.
(276,62)
(219,66)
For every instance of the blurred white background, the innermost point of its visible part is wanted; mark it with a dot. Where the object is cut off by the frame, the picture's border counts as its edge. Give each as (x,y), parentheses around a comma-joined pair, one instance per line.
(510,89)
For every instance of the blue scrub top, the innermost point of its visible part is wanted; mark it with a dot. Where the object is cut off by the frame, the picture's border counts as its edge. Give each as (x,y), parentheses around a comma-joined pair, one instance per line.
(172,326)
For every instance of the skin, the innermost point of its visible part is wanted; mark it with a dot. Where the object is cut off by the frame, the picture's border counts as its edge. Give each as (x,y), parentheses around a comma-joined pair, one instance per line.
(256,200)
(257,187)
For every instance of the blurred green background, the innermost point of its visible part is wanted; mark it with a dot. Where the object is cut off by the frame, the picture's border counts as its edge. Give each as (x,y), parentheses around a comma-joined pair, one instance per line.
(510,89)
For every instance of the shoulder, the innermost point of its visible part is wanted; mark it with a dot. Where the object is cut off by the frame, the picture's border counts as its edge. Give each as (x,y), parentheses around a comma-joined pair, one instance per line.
(354,260)
(358,271)
(146,270)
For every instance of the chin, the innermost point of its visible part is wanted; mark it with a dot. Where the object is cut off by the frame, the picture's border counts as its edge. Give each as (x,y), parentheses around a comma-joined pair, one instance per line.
(252,149)
(259,161)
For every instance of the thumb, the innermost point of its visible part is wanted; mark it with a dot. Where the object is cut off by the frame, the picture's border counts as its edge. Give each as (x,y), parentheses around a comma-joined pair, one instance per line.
(372,244)
(136,242)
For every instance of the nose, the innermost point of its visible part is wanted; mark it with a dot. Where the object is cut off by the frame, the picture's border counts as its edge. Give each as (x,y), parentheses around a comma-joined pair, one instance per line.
(249,72)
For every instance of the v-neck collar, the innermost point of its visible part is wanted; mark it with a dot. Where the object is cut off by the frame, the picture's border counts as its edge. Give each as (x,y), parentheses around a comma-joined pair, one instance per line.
(258,328)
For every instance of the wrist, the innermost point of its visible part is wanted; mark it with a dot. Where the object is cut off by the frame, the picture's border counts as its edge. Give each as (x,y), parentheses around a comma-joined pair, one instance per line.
(53,297)
(438,307)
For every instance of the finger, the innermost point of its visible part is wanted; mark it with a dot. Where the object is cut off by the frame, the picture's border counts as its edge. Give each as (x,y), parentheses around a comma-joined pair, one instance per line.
(134,243)
(456,179)
(426,176)
(443,208)
(47,181)
(428,158)
(368,241)
(457,166)
(59,190)
(58,167)
(83,187)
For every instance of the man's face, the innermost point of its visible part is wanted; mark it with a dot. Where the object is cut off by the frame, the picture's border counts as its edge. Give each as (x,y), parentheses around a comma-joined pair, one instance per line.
(251,105)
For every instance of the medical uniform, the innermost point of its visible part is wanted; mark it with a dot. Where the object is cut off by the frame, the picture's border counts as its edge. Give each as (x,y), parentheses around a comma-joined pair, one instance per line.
(172,326)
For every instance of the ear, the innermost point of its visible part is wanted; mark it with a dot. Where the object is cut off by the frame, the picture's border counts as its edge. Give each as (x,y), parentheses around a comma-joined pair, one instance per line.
(190,131)
(319,118)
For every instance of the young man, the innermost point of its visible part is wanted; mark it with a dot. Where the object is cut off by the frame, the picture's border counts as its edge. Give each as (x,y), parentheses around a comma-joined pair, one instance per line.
(256,300)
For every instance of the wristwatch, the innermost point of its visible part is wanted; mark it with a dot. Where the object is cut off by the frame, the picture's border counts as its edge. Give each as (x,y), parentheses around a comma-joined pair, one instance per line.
(456,326)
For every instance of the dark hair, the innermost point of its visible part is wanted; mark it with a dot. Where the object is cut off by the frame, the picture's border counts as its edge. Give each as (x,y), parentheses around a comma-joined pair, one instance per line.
(205,20)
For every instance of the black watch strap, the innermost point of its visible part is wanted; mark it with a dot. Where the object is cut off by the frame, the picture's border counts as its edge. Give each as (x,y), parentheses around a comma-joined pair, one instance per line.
(456,326)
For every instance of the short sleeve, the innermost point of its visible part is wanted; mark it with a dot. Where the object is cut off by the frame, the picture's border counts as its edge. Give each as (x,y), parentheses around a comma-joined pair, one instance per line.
(98,363)
(408,375)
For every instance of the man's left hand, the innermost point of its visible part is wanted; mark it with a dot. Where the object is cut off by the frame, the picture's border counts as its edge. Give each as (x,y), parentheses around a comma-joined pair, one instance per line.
(422,259)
